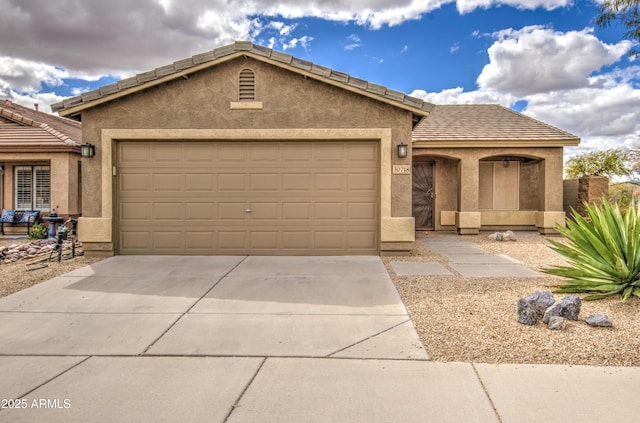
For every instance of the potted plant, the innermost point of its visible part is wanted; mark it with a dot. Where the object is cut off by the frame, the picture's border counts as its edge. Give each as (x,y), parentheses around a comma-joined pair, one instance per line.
(38,231)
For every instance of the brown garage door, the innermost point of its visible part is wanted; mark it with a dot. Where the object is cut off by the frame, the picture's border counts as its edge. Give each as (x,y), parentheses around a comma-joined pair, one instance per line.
(191,197)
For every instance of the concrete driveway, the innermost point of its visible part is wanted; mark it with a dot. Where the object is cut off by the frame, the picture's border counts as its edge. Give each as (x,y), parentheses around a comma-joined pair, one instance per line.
(214,306)
(184,337)
(259,339)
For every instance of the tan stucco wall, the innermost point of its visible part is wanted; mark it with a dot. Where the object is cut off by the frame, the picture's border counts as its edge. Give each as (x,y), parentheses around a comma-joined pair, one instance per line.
(64,178)
(302,107)
(457,188)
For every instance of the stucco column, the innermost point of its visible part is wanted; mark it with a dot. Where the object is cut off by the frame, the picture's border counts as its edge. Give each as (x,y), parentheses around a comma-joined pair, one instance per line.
(468,216)
(551,211)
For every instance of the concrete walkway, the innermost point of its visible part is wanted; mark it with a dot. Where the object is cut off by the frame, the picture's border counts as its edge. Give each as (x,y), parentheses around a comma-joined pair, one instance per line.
(261,339)
(467,259)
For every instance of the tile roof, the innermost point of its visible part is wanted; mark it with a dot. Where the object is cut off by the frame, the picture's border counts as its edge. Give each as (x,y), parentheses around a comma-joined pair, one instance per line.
(29,130)
(486,123)
(74,105)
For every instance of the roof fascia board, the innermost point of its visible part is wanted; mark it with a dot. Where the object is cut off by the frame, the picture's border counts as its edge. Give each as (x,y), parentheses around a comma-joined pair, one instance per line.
(496,143)
(140,87)
(38,149)
(373,93)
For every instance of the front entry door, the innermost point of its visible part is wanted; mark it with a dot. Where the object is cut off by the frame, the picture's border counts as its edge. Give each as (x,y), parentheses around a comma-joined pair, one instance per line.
(423,194)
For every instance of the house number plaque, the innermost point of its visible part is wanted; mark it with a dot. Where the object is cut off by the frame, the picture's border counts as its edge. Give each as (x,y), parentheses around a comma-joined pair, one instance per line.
(402,169)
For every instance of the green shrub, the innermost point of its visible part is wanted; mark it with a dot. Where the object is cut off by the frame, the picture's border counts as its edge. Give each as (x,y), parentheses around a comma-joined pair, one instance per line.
(603,252)
(38,231)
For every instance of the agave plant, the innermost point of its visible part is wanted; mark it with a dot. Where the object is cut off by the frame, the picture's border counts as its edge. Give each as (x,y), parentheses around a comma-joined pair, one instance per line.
(603,252)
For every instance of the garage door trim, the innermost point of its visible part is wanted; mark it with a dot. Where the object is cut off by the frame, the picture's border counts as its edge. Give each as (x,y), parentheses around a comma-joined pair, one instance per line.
(100,229)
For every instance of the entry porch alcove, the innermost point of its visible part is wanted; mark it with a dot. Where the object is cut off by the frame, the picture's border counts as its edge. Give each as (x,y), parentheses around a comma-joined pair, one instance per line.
(484,189)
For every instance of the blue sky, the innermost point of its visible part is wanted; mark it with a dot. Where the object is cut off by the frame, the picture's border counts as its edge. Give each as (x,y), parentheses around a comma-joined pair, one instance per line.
(544,58)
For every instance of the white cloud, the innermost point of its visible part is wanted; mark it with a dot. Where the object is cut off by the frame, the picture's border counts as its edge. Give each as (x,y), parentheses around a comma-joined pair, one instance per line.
(538,59)
(559,76)
(404,49)
(353,42)
(136,36)
(304,42)
(27,76)
(45,41)
(466,6)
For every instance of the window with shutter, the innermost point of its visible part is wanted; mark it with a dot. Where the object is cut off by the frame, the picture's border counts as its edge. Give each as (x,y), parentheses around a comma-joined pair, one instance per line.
(33,188)
(42,188)
(247,85)
(24,185)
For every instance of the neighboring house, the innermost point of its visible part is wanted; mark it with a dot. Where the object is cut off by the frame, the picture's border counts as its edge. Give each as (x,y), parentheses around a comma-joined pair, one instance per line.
(39,161)
(246,150)
(487,167)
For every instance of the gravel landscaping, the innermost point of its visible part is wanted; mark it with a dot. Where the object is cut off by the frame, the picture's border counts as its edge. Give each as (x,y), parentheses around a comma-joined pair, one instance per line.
(465,319)
(22,274)
(474,319)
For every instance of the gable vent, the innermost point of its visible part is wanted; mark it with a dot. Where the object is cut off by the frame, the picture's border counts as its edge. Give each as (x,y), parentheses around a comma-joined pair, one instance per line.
(247,85)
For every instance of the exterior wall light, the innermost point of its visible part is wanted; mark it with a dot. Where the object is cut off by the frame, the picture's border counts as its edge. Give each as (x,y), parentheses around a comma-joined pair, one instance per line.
(402,150)
(87,150)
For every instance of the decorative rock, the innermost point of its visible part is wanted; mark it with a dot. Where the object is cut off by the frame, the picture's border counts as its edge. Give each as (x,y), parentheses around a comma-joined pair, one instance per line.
(540,301)
(557,323)
(553,311)
(526,314)
(496,236)
(599,320)
(570,307)
(31,249)
(503,236)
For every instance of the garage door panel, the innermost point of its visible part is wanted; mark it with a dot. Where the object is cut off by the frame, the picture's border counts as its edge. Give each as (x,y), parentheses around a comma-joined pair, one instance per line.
(135,182)
(265,182)
(360,154)
(362,240)
(167,182)
(301,182)
(232,182)
(329,240)
(367,182)
(329,182)
(232,240)
(231,211)
(172,211)
(200,182)
(330,211)
(133,241)
(201,240)
(197,197)
(135,211)
(200,211)
(264,152)
(298,240)
(265,211)
(329,152)
(297,210)
(264,240)
(200,153)
(167,153)
(132,153)
(232,152)
(367,211)
(295,153)
(167,240)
